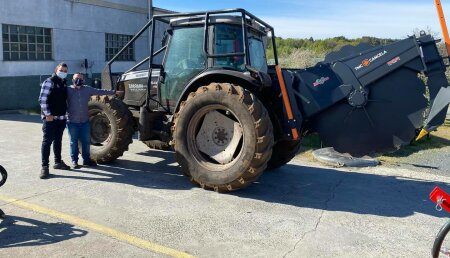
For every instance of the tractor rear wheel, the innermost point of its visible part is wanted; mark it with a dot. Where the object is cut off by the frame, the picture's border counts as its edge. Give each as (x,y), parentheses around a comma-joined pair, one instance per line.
(111,128)
(157,144)
(283,152)
(223,137)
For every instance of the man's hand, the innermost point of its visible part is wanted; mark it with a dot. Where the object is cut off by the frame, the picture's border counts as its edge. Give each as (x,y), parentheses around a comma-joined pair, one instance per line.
(120,93)
(49,118)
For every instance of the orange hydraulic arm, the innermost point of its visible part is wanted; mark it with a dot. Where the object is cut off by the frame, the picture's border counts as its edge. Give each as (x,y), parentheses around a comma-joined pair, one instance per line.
(443,24)
(286,101)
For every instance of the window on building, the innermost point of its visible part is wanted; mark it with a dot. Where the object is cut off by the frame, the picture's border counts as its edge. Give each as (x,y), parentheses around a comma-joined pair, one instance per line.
(26,43)
(114,43)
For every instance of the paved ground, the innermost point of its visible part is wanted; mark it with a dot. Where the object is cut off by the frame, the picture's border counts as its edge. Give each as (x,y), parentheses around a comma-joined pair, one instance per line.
(141,204)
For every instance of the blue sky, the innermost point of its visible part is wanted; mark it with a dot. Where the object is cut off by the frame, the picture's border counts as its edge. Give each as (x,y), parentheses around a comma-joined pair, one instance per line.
(330,18)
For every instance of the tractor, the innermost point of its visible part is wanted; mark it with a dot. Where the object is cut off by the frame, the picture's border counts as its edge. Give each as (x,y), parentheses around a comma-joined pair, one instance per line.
(208,91)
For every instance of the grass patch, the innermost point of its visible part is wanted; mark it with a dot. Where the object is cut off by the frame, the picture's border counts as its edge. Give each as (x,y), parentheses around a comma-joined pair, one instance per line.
(31,111)
(437,140)
(310,143)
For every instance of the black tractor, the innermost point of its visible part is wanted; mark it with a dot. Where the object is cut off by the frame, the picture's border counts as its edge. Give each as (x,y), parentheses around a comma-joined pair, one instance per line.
(209,92)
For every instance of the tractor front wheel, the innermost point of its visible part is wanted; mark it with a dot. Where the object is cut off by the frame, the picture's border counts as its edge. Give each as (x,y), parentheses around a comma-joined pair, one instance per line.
(222,137)
(111,128)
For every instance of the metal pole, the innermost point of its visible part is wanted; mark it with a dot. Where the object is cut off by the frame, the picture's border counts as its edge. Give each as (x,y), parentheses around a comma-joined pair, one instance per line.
(150,17)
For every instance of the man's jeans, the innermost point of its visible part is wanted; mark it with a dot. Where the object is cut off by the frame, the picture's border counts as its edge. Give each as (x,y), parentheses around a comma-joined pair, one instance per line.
(79,132)
(53,133)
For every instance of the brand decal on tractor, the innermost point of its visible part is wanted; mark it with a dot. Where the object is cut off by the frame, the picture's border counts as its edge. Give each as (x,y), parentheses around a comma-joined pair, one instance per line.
(136,87)
(367,62)
(393,61)
(321,81)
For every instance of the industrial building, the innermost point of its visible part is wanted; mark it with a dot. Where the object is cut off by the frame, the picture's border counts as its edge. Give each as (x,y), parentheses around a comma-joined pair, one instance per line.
(82,33)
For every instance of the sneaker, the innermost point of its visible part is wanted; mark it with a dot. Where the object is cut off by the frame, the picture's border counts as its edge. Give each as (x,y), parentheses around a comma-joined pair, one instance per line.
(75,165)
(90,163)
(61,165)
(44,173)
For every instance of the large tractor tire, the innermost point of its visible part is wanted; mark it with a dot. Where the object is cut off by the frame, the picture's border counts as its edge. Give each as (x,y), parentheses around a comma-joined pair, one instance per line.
(223,137)
(111,128)
(3,176)
(283,152)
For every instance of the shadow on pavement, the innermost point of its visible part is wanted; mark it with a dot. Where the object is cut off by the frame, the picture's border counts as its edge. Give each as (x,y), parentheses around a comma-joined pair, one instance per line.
(17,232)
(160,175)
(334,190)
(294,185)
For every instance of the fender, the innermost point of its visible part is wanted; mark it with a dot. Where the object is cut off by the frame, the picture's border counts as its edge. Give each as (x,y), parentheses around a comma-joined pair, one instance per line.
(219,75)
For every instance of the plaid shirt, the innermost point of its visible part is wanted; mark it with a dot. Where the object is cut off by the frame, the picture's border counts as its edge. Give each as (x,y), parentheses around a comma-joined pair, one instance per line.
(46,88)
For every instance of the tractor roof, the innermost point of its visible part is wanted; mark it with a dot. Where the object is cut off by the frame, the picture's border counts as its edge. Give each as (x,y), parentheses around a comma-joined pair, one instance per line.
(232,16)
(227,19)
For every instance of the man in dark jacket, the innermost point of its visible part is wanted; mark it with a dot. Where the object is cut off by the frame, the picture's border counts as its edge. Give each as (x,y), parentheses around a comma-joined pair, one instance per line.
(78,96)
(53,101)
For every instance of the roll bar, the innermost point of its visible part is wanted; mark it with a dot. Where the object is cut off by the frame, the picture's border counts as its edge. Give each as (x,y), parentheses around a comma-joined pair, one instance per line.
(106,73)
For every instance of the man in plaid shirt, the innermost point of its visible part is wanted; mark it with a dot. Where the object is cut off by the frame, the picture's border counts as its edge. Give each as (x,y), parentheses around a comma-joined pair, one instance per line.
(53,101)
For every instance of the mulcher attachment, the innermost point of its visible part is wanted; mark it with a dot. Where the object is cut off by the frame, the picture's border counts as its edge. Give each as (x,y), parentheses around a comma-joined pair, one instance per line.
(370,100)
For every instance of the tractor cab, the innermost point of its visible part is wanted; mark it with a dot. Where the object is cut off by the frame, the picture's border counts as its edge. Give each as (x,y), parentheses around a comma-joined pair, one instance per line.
(195,48)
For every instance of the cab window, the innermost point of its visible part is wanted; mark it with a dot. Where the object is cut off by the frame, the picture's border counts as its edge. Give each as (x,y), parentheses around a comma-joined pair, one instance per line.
(228,40)
(257,54)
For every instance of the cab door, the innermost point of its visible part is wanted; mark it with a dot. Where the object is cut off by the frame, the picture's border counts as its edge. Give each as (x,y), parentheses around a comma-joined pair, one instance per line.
(185,59)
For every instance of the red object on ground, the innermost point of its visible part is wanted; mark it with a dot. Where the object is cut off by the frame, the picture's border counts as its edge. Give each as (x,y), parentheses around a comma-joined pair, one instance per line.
(441,198)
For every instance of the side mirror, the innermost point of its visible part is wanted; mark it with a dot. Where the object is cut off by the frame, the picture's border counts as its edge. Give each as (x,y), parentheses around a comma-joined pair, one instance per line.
(162,76)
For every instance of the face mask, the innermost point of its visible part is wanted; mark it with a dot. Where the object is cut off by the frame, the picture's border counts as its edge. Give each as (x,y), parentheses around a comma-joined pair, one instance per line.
(78,82)
(61,75)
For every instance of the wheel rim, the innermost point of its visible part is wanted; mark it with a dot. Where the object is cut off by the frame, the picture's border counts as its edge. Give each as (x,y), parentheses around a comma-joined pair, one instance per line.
(100,128)
(216,137)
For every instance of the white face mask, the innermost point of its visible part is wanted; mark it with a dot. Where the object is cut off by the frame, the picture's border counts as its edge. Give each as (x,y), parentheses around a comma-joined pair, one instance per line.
(61,75)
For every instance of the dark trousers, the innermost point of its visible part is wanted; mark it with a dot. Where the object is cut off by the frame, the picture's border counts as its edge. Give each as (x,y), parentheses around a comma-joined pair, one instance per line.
(53,133)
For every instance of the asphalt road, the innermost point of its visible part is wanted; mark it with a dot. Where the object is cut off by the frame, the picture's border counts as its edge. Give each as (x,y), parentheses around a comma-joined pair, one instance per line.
(141,206)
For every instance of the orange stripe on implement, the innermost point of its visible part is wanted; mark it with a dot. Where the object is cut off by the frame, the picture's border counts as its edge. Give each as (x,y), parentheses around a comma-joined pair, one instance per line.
(287,103)
(443,24)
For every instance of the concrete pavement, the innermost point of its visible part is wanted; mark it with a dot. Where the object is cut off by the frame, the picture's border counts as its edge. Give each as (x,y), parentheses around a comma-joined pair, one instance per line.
(299,210)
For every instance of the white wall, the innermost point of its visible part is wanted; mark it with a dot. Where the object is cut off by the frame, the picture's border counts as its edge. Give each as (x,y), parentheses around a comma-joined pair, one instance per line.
(78,32)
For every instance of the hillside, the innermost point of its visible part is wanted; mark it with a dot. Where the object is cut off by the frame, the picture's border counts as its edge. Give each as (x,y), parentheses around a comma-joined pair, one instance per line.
(300,53)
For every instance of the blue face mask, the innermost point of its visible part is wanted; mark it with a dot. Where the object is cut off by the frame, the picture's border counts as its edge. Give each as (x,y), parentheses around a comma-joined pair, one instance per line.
(61,75)
(78,82)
